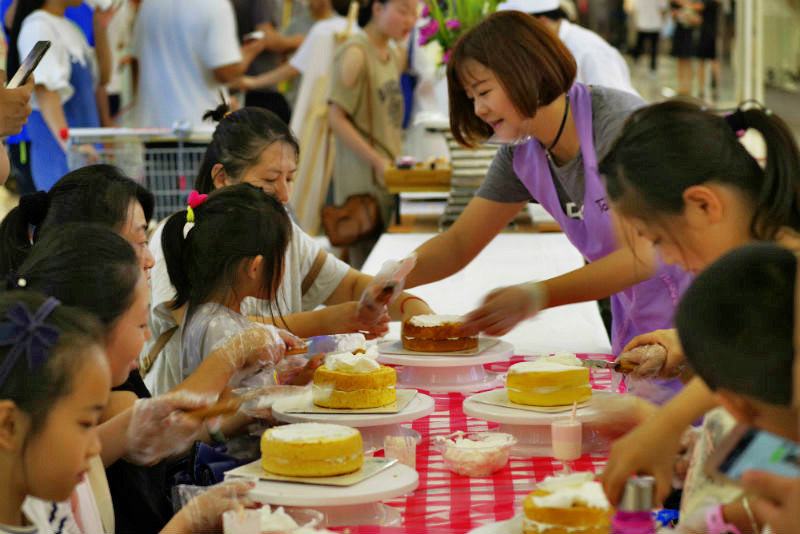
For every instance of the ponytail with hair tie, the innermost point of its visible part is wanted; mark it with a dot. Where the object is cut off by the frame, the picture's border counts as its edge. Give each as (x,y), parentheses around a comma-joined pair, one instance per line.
(220,112)
(34,207)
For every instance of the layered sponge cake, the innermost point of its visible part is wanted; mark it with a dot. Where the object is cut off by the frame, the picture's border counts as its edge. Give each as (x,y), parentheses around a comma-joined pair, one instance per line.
(572,503)
(549,381)
(354,381)
(436,333)
(311,450)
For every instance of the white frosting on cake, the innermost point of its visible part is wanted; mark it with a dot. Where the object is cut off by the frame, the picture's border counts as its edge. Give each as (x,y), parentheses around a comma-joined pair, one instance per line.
(350,342)
(277,520)
(559,362)
(434,320)
(577,489)
(310,432)
(347,362)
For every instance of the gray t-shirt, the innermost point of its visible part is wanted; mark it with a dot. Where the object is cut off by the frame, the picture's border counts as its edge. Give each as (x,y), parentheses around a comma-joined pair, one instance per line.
(610,109)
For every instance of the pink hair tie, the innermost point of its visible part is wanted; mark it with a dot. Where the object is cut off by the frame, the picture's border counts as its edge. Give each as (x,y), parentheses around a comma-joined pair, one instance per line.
(195,199)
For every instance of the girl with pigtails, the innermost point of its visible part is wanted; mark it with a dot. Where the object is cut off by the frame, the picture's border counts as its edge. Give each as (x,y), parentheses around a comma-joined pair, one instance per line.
(695,184)
(222,248)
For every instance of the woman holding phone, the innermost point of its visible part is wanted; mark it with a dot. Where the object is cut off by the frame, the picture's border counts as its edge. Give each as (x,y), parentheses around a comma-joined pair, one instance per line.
(66,78)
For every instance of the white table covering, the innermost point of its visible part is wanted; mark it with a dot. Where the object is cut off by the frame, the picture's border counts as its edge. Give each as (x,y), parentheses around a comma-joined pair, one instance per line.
(508,259)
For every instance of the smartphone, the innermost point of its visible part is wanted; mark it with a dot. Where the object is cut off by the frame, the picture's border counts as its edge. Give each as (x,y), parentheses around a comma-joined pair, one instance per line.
(747,448)
(253,36)
(27,67)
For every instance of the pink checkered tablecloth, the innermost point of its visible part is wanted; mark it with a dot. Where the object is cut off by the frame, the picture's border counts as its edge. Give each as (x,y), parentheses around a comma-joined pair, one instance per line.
(447,503)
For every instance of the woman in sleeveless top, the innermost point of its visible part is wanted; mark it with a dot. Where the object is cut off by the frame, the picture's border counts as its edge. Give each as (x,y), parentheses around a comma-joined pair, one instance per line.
(366,106)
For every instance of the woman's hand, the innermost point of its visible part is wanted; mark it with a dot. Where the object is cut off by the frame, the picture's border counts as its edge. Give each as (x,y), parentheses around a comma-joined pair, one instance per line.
(657,354)
(379,166)
(504,308)
(345,319)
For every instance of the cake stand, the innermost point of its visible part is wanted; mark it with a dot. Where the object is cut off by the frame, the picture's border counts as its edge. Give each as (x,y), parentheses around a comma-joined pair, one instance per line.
(532,429)
(448,373)
(344,505)
(374,427)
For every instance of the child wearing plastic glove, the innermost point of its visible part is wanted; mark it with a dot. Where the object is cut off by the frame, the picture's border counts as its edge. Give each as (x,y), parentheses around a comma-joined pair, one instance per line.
(705,199)
(204,512)
(213,275)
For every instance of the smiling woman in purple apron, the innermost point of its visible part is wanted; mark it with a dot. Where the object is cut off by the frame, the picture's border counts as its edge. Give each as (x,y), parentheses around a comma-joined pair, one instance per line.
(510,80)
(66,80)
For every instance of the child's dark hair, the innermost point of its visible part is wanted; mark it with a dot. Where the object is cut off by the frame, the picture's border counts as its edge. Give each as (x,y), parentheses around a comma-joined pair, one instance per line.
(365,10)
(94,194)
(35,390)
(240,138)
(531,64)
(666,148)
(736,323)
(234,224)
(83,265)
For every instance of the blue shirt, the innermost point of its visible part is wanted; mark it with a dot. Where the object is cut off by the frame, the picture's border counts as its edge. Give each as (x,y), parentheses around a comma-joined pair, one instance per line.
(82,16)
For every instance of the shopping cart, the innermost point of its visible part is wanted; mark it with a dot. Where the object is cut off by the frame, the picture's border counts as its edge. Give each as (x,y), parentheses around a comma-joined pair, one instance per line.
(165,160)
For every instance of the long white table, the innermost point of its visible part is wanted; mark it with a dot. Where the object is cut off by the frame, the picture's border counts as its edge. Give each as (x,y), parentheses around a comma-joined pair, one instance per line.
(508,259)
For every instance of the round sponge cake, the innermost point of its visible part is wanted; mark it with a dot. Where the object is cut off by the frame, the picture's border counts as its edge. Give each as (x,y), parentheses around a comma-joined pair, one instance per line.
(311,450)
(549,381)
(436,333)
(339,389)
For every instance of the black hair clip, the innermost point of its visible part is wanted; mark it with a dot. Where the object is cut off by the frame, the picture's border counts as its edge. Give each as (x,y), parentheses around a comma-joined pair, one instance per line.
(737,122)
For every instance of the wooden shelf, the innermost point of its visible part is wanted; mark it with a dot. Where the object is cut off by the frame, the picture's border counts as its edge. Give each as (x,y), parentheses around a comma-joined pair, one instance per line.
(418,179)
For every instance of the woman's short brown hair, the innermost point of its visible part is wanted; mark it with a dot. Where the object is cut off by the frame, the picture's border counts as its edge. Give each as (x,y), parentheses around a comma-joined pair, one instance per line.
(530,63)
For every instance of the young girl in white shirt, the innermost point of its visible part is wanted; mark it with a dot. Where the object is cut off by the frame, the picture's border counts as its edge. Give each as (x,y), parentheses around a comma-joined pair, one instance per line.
(48,417)
(224,247)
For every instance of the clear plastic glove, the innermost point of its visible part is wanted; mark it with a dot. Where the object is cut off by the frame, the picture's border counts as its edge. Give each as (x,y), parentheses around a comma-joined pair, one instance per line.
(381,292)
(778,500)
(256,347)
(649,448)
(297,370)
(659,353)
(203,513)
(257,402)
(614,416)
(159,427)
(503,308)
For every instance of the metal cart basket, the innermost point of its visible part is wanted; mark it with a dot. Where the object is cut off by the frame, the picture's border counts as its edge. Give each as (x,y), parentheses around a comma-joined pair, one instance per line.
(165,160)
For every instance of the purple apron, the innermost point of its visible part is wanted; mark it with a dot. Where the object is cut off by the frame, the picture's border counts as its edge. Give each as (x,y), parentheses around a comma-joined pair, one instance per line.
(647,306)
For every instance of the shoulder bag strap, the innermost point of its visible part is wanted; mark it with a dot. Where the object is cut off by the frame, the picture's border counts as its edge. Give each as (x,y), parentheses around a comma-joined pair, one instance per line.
(147,362)
(316,267)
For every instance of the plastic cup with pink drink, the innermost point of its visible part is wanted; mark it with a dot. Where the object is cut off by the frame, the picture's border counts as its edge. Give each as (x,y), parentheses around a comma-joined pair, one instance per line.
(567,439)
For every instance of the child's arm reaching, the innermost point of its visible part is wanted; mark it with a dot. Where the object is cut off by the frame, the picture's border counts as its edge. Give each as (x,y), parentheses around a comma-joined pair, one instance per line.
(254,347)
(651,447)
(204,512)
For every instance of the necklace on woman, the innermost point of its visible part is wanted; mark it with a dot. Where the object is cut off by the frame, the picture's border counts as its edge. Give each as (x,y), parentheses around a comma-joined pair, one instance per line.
(560,128)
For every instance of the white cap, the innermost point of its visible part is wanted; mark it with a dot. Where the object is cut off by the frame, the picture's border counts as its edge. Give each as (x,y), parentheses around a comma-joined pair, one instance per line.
(529,6)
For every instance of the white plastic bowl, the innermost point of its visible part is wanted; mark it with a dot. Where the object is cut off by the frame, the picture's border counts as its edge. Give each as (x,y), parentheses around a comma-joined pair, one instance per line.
(478,454)
(249,521)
